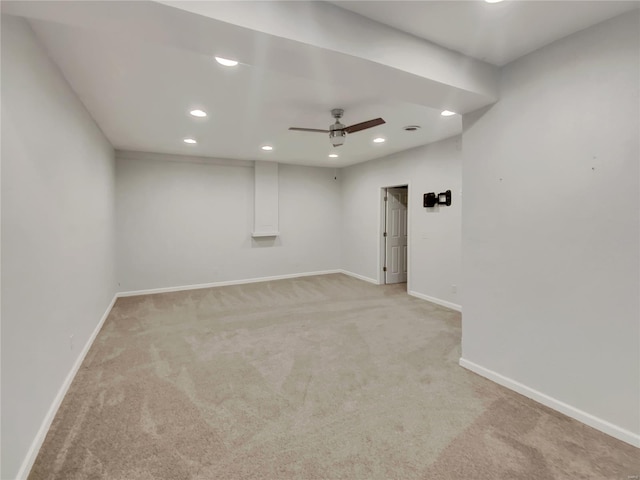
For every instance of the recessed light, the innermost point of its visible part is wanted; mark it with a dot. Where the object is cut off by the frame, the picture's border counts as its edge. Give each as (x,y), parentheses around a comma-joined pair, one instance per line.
(226,62)
(411,128)
(333,155)
(447,113)
(493,1)
(190,141)
(378,140)
(198,113)
(267,148)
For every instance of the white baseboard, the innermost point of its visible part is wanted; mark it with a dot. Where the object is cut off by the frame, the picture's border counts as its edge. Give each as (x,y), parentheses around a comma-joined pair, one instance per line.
(360,277)
(437,301)
(181,288)
(27,464)
(582,416)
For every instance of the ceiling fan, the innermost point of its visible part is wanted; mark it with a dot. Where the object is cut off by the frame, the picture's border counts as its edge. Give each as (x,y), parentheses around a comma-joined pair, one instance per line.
(338,131)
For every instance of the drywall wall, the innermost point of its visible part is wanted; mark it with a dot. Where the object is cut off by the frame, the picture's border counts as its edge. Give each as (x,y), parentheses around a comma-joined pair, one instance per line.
(434,233)
(550,227)
(182,222)
(58,274)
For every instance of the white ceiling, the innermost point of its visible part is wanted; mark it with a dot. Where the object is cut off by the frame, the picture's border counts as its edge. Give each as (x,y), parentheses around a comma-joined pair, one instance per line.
(139,67)
(140,95)
(495,33)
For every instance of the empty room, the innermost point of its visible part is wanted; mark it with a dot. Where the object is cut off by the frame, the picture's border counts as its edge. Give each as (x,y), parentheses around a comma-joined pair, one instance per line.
(320,240)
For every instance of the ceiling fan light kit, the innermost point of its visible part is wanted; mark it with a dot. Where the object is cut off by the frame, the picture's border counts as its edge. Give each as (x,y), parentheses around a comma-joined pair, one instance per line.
(336,137)
(338,131)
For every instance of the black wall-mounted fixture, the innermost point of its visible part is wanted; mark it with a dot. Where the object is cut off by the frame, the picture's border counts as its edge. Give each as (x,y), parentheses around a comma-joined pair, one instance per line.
(430,199)
(444,198)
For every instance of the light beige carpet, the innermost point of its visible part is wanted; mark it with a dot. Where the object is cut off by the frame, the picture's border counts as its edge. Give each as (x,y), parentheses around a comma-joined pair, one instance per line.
(321,377)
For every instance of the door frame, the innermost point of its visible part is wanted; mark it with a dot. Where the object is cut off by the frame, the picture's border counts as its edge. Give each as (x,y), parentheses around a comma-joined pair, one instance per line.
(381,241)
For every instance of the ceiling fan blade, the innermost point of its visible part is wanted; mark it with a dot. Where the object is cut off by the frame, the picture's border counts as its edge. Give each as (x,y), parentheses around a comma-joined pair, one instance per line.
(308,130)
(364,125)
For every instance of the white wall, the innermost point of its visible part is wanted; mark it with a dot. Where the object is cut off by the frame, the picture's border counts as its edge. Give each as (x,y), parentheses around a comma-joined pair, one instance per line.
(184,223)
(550,227)
(58,273)
(434,233)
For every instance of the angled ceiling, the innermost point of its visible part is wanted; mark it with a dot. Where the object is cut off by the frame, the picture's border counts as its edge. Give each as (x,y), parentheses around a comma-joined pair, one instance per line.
(495,33)
(139,67)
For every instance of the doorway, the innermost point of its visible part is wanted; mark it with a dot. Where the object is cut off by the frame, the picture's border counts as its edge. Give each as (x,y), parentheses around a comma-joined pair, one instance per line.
(395,235)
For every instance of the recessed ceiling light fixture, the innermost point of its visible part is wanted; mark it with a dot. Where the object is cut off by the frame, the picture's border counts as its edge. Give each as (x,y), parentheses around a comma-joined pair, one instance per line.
(190,141)
(226,62)
(411,128)
(333,155)
(378,140)
(447,113)
(267,148)
(493,1)
(198,113)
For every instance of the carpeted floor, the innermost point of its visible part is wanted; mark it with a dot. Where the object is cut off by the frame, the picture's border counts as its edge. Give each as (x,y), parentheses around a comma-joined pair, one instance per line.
(323,377)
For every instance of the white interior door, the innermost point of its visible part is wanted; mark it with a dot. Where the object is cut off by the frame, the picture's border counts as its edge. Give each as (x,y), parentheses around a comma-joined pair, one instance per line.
(396,235)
